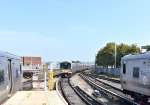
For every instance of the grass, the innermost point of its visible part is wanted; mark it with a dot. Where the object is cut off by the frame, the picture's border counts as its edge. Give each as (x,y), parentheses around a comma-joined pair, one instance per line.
(40,76)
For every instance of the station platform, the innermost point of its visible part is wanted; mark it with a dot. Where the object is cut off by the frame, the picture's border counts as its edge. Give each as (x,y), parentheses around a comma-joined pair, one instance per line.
(36,98)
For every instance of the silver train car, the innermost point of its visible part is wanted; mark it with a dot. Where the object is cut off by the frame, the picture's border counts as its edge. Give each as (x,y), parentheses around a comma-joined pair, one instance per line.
(135,76)
(10,75)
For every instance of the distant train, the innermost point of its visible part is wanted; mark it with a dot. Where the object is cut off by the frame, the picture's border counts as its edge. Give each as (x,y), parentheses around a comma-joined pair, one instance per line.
(135,76)
(65,68)
(10,75)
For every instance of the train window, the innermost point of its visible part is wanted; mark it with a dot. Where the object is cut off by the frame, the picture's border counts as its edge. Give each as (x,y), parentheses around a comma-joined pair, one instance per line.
(17,73)
(20,69)
(124,68)
(136,72)
(1,76)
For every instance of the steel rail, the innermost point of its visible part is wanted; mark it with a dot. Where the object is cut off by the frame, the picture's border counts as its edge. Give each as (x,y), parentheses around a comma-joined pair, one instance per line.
(108,91)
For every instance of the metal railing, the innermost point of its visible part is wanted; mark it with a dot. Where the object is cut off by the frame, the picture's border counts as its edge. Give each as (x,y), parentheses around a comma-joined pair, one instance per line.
(31,67)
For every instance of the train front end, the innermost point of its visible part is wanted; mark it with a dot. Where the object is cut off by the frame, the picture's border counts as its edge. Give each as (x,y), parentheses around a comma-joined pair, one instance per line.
(65,68)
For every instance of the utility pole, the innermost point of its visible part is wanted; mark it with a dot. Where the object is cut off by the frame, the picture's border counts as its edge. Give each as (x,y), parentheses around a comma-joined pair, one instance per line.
(95,62)
(45,68)
(115,56)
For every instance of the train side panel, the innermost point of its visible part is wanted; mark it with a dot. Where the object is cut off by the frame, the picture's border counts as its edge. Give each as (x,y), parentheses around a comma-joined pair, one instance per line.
(10,75)
(3,80)
(135,75)
(17,76)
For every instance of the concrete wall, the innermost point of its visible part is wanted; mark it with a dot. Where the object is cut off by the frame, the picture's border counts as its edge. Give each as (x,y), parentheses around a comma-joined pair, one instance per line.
(111,71)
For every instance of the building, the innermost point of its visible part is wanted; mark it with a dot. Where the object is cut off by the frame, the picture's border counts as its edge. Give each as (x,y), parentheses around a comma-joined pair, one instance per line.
(31,63)
(55,65)
(142,48)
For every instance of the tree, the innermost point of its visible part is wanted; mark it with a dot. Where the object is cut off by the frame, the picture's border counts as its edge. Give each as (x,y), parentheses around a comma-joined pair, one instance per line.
(106,56)
(124,49)
(76,61)
(121,51)
(148,47)
(133,49)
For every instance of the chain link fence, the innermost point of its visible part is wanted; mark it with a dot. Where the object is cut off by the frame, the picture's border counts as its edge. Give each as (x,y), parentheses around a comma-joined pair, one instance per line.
(109,71)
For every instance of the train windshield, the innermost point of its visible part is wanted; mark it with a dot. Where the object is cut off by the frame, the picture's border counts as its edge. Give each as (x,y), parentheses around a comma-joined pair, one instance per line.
(65,65)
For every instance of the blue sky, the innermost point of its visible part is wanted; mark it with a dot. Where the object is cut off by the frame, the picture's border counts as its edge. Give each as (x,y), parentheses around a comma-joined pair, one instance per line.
(60,30)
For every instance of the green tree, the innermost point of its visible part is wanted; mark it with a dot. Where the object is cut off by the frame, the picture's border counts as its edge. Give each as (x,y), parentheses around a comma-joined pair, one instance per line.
(106,56)
(76,61)
(133,49)
(122,50)
(148,47)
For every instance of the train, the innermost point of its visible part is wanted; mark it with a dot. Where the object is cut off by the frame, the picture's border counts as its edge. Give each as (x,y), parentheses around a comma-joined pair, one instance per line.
(10,75)
(66,68)
(135,76)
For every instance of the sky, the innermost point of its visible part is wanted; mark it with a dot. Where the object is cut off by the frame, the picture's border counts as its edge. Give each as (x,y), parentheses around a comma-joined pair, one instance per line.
(60,30)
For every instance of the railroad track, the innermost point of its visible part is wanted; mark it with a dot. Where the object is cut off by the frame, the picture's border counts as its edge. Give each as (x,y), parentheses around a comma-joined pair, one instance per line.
(74,95)
(110,79)
(58,86)
(70,95)
(108,90)
(115,84)
(27,85)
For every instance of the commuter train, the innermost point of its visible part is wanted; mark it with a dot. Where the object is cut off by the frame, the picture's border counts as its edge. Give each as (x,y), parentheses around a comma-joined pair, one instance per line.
(65,68)
(10,75)
(135,76)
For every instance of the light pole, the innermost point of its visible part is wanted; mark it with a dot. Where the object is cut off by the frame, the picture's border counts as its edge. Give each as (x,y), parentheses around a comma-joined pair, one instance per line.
(115,56)
(95,62)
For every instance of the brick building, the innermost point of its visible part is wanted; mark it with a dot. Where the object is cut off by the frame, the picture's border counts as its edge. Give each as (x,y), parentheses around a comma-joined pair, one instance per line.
(31,62)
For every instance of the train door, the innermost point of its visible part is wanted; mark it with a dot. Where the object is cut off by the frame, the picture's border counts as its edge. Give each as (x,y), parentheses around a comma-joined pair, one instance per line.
(9,75)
